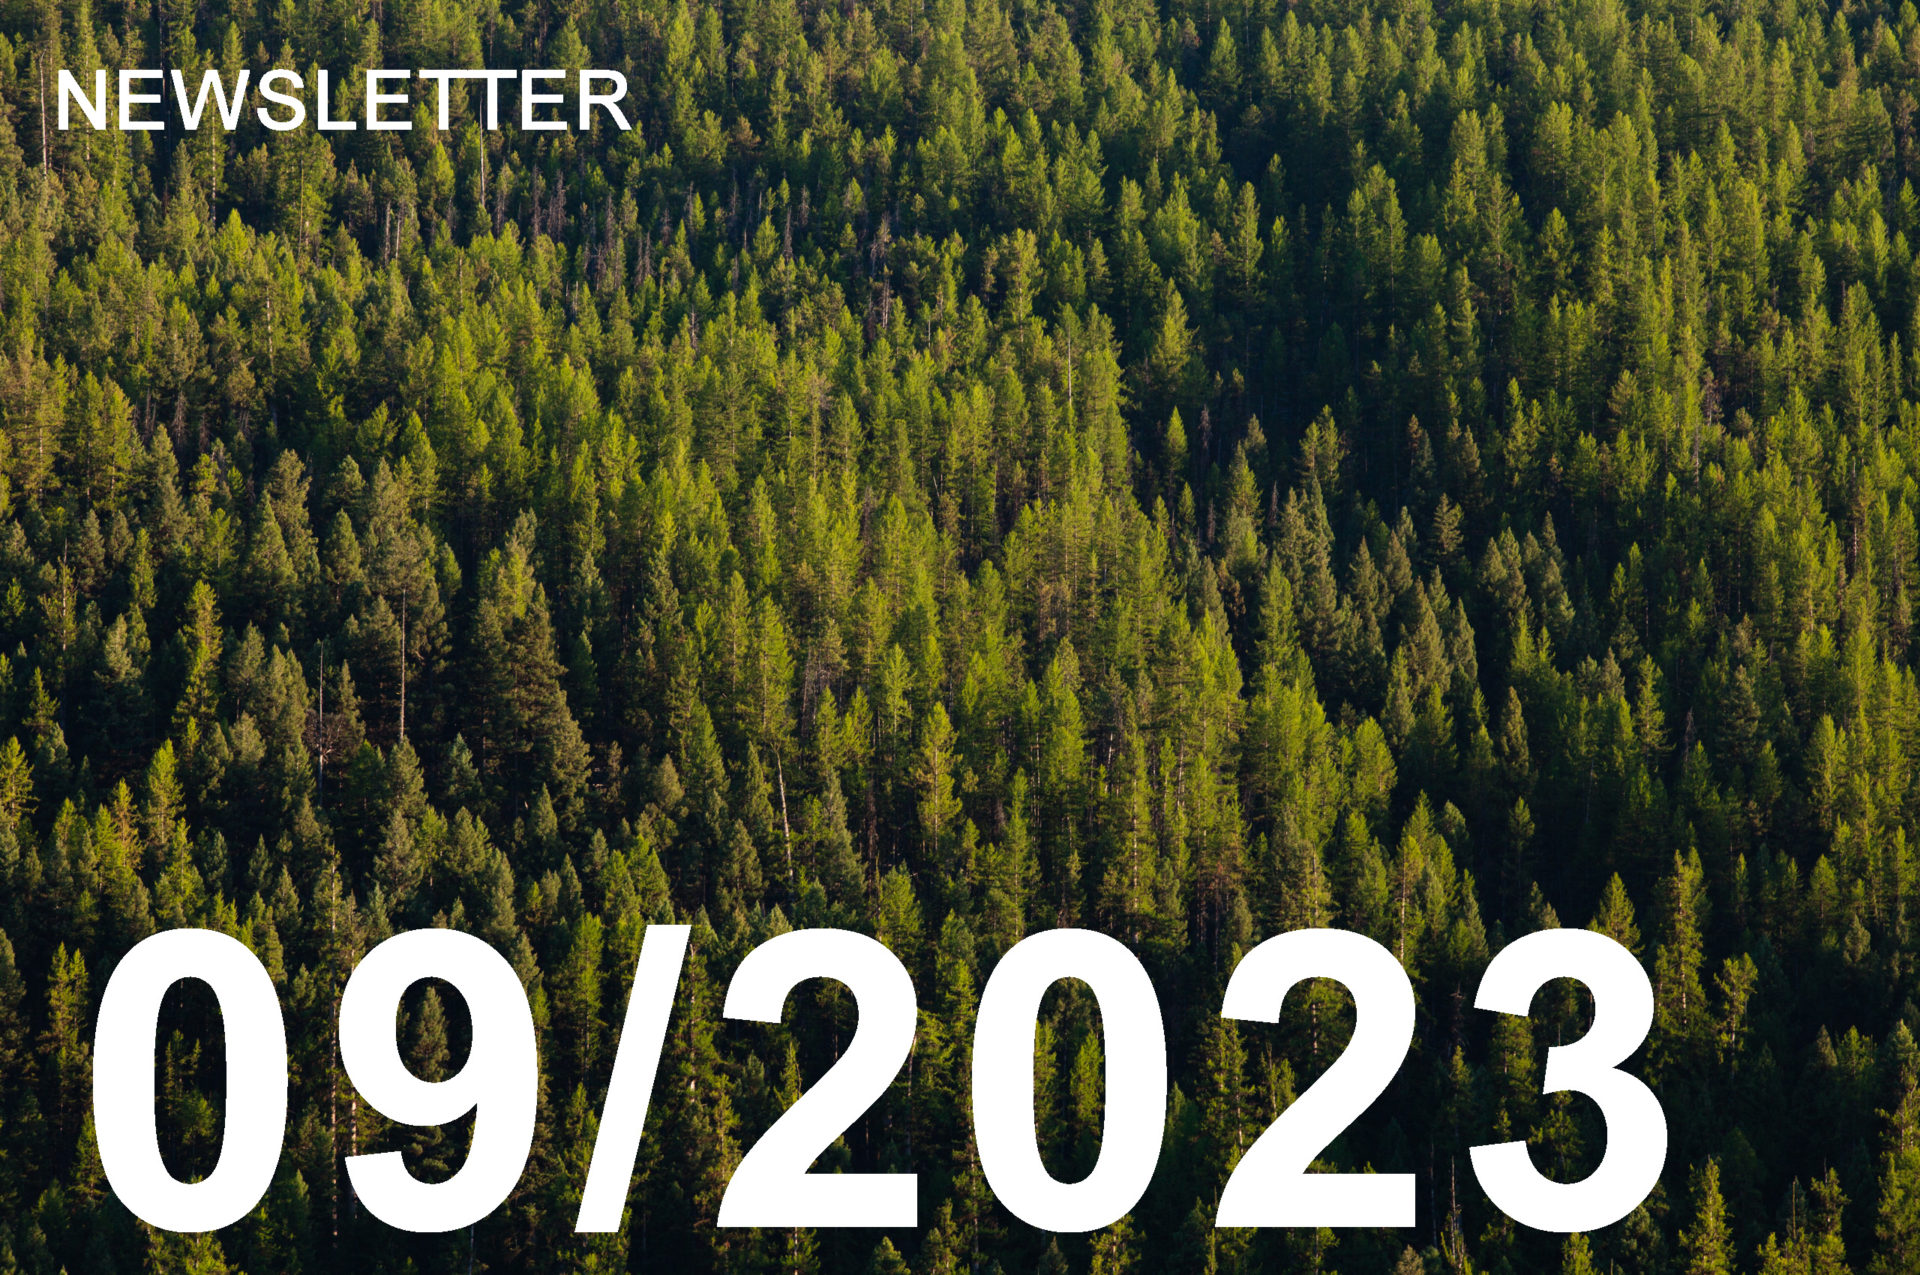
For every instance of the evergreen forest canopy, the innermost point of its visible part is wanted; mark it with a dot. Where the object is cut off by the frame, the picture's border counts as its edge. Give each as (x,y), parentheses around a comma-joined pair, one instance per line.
(1190,470)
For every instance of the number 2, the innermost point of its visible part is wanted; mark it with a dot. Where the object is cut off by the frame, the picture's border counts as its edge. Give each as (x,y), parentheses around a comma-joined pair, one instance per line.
(1271,1186)
(772,1186)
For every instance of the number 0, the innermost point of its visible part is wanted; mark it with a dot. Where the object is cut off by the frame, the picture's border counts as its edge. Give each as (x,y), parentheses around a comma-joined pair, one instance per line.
(256,1115)
(1136,1080)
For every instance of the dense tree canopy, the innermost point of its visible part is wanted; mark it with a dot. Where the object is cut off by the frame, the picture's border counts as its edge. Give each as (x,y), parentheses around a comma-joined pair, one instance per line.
(1189,470)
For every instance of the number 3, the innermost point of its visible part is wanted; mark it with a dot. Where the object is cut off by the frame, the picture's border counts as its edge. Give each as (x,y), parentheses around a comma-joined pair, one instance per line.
(1636,1126)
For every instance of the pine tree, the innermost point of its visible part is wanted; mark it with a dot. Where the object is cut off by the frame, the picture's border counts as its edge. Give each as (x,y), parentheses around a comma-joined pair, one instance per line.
(1706,1241)
(939,808)
(1614,916)
(1576,1258)
(1223,1101)
(65,1051)
(1681,1017)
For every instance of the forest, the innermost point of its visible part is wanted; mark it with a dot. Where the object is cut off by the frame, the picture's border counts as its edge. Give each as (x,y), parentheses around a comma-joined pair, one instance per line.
(1188,469)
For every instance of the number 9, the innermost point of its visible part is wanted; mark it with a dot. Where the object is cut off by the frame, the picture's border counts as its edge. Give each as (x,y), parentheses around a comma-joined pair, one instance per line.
(499,1084)
(1636,1126)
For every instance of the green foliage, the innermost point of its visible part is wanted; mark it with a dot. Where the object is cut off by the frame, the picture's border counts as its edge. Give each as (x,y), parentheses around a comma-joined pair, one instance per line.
(1444,471)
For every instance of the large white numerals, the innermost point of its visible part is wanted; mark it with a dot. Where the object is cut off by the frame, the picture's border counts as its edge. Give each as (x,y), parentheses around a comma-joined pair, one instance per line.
(1271,1185)
(624,1118)
(1136,1080)
(772,1186)
(1636,1126)
(499,1083)
(256,1113)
